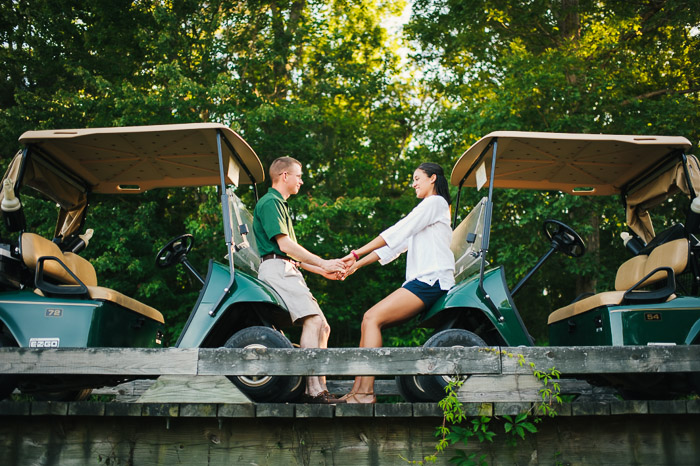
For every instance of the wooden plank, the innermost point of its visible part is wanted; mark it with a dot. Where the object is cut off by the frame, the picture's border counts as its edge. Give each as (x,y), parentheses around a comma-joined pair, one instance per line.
(102,361)
(236,410)
(160,410)
(667,407)
(354,410)
(427,410)
(478,409)
(692,406)
(15,408)
(619,408)
(198,410)
(122,409)
(482,388)
(314,410)
(510,408)
(347,361)
(274,410)
(86,408)
(603,359)
(193,389)
(49,408)
(393,410)
(563,409)
(629,439)
(381,387)
(590,409)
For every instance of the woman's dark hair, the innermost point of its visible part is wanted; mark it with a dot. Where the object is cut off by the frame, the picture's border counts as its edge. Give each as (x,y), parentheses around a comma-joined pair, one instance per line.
(441,186)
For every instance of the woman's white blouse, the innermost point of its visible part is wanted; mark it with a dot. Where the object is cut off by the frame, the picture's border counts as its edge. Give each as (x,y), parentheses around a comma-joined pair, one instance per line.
(426,234)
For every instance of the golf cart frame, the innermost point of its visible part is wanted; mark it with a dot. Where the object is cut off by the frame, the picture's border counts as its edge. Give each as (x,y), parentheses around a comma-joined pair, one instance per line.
(648,305)
(49,295)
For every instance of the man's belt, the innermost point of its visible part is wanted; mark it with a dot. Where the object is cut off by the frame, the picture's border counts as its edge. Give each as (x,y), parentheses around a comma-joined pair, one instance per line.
(272,255)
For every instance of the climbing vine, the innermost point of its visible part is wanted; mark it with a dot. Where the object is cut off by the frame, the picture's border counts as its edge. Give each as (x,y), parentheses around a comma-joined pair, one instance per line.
(455,429)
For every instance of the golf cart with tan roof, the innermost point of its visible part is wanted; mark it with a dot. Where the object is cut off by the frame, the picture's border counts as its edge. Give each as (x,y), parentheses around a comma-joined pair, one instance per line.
(656,295)
(50,295)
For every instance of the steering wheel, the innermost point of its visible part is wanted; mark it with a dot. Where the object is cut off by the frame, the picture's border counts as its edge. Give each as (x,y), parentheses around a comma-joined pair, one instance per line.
(173,252)
(564,238)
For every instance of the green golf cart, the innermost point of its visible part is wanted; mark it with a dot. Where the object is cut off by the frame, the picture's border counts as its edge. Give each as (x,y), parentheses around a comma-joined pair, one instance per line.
(50,296)
(655,299)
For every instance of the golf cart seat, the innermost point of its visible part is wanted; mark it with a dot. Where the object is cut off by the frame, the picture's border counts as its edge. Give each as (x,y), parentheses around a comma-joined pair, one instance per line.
(662,264)
(66,273)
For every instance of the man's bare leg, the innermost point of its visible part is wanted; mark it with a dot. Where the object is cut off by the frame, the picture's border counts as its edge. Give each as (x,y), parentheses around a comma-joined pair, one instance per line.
(314,334)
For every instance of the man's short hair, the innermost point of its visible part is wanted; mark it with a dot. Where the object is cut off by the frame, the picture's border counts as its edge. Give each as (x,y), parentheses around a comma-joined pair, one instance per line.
(280,165)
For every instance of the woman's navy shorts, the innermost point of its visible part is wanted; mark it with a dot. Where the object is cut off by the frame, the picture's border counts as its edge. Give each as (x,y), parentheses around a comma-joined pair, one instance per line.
(427,293)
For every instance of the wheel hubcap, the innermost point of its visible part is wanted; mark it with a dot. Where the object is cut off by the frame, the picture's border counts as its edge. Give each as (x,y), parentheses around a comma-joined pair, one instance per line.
(254,380)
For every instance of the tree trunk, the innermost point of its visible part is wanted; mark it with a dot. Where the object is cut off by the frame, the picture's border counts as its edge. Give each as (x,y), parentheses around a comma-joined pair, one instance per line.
(588,283)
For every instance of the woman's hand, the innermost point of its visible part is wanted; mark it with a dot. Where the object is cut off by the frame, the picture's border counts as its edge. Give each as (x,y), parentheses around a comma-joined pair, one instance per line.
(350,271)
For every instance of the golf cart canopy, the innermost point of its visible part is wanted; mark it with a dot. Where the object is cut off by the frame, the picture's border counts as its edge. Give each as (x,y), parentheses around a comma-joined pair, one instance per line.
(645,170)
(66,164)
(598,164)
(139,158)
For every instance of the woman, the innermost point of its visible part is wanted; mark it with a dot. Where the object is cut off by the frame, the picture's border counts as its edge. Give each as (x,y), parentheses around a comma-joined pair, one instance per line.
(425,234)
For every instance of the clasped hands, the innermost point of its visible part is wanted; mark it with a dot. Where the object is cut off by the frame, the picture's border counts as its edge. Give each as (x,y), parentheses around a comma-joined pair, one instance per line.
(340,269)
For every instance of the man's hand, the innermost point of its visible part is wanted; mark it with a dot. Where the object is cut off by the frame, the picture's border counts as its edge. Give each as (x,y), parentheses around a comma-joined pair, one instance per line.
(332,275)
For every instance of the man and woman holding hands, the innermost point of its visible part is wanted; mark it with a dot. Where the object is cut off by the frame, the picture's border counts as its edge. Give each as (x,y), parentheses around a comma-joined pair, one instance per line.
(425,235)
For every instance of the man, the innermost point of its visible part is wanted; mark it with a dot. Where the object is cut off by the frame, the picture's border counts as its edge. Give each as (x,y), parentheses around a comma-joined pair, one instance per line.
(281,256)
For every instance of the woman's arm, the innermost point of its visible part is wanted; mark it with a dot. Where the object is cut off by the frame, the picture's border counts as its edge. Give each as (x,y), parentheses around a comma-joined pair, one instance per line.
(368,259)
(356,254)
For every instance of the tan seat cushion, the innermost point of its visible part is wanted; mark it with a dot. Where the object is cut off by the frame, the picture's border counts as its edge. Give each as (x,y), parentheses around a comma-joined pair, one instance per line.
(630,272)
(34,247)
(106,294)
(673,254)
(608,298)
(82,268)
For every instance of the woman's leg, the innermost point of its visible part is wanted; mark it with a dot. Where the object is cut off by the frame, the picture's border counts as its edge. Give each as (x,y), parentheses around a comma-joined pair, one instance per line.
(399,306)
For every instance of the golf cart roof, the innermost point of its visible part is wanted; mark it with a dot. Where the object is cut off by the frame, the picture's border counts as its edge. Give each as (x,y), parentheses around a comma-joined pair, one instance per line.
(591,164)
(139,158)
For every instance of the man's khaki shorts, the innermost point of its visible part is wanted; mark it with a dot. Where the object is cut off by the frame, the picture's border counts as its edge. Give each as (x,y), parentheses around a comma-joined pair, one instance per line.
(288,281)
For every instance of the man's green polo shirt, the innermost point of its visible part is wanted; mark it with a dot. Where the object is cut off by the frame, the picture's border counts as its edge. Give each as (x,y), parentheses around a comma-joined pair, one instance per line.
(271,218)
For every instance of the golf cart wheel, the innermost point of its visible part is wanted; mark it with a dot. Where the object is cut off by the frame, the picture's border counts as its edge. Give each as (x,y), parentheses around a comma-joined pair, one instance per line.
(434,385)
(410,390)
(64,395)
(265,388)
(7,382)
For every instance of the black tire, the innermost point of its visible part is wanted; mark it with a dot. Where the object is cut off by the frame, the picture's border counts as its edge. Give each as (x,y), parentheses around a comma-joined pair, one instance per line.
(410,390)
(434,385)
(265,389)
(8,383)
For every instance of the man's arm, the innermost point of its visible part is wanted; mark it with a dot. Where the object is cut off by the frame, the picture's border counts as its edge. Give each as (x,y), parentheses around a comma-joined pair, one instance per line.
(318,270)
(300,253)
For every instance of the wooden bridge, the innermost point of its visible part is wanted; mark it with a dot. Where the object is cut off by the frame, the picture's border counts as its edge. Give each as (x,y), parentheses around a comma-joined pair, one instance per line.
(193,415)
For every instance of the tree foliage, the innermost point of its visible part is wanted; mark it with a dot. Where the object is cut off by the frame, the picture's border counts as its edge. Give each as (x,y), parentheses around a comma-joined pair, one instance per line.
(564,66)
(324,82)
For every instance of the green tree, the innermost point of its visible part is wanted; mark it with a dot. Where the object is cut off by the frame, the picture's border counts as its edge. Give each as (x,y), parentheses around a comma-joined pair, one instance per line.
(317,80)
(563,66)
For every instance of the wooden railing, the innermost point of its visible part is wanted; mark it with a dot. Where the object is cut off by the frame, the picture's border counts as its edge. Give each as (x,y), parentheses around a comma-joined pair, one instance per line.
(348,361)
(497,374)
(163,430)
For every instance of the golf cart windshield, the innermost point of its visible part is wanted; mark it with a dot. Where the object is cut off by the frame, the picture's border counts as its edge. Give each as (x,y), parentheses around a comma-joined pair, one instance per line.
(246,250)
(466,242)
